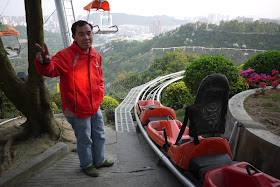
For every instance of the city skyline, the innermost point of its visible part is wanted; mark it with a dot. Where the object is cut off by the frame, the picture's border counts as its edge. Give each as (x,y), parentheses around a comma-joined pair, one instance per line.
(180,9)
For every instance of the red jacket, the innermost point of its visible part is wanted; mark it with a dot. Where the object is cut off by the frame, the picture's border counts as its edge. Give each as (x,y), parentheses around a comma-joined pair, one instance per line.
(81,80)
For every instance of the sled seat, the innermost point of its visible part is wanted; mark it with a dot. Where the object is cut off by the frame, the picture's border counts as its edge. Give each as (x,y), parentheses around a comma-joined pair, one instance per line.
(200,165)
(171,127)
(155,113)
(143,103)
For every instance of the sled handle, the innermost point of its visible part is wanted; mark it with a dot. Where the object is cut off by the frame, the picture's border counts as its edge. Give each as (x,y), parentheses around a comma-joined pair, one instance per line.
(248,167)
(139,108)
(165,138)
(169,117)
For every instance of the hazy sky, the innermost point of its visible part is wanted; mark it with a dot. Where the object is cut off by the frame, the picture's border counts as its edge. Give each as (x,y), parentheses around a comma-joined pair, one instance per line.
(178,9)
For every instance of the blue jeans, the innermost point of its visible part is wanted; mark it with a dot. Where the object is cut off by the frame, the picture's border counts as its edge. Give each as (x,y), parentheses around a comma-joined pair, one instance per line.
(90,134)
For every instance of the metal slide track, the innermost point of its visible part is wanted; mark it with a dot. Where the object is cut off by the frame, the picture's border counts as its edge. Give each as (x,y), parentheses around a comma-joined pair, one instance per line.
(123,118)
(160,154)
(125,123)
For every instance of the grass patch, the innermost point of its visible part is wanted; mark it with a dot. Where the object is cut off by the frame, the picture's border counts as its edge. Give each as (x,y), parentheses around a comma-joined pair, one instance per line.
(275,98)
(273,103)
(268,105)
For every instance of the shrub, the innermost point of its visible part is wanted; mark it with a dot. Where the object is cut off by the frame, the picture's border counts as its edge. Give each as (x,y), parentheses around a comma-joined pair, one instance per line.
(55,108)
(240,86)
(109,103)
(56,99)
(264,62)
(255,80)
(208,65)
(240,67)
(7,108)
(110,115)
(177,95)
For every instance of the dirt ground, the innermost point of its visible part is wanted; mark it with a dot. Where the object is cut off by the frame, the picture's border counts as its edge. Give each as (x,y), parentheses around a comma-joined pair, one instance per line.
(23,151)
(265,110)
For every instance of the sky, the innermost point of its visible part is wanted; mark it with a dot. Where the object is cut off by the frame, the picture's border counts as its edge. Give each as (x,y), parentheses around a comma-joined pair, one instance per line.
(179,9)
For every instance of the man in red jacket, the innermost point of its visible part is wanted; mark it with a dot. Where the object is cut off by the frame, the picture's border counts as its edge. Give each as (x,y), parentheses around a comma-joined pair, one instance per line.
(82,90)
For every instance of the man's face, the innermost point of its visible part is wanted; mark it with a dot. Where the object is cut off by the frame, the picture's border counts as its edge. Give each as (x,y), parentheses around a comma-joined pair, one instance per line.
(83,37)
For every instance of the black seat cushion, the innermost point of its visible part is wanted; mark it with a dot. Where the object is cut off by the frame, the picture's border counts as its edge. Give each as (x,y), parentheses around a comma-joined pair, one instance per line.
(182,141)
(201,164)
(151,107)
(155,119)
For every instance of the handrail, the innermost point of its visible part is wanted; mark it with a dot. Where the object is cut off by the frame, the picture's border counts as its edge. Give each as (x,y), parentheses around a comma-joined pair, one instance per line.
(210,48)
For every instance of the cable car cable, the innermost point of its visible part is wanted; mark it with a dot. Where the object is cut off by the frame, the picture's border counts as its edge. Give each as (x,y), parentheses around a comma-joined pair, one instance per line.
(4,8)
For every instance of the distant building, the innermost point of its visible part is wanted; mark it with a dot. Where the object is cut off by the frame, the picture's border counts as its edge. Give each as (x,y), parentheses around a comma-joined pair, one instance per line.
(212,18)
(156,28)
(244,19)
(267,20)
(5,20)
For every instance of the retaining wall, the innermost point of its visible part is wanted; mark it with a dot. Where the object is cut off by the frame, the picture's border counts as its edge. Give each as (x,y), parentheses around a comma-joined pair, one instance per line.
(249,140)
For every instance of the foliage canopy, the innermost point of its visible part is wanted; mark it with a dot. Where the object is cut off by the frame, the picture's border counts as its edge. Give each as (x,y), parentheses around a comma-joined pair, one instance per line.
(264,62)
(208,65)
(177,95)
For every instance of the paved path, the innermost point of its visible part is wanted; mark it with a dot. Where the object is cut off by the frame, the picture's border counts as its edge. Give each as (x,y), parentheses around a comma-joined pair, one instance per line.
(135,165)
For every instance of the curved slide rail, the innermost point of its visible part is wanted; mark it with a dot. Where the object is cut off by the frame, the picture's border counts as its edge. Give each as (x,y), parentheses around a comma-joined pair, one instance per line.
(123,118)
(153,88)
(163,158)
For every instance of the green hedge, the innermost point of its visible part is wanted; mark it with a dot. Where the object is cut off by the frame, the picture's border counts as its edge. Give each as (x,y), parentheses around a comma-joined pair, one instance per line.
(264,62)
(177,95)
(109,103)
(208,65)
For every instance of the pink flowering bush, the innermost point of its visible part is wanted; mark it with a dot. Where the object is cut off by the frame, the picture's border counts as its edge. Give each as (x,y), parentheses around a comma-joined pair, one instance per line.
(261,81)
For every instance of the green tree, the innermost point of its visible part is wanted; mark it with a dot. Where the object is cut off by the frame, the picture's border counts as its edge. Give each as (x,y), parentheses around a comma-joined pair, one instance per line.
(177,95)
(171,62)
(31,97)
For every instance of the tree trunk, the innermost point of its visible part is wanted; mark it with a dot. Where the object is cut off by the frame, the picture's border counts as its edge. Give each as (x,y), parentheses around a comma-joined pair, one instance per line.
(31,98)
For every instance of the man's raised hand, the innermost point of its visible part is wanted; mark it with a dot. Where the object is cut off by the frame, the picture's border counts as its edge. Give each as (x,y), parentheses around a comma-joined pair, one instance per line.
(43,55)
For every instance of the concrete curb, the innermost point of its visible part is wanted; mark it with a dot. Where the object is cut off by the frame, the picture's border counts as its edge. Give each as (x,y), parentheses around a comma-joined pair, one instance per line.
(252,141)
(35,166)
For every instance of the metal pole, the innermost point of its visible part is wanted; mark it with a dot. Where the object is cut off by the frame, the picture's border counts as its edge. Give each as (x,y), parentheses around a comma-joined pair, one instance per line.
(62,23)
(73,11)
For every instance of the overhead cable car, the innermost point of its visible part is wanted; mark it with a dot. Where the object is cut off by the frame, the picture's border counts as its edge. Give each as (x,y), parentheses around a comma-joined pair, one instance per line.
(106,26)
(8,30)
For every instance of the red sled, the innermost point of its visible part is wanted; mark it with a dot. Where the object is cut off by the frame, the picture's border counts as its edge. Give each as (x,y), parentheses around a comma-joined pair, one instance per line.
(154,112)
(241,174)
(143,103)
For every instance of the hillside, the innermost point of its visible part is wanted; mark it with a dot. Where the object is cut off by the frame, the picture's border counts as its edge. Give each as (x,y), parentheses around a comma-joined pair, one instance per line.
(125,56)
(126,19)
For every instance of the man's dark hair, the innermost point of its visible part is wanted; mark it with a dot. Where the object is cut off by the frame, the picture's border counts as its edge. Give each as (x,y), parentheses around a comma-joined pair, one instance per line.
(79,23)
